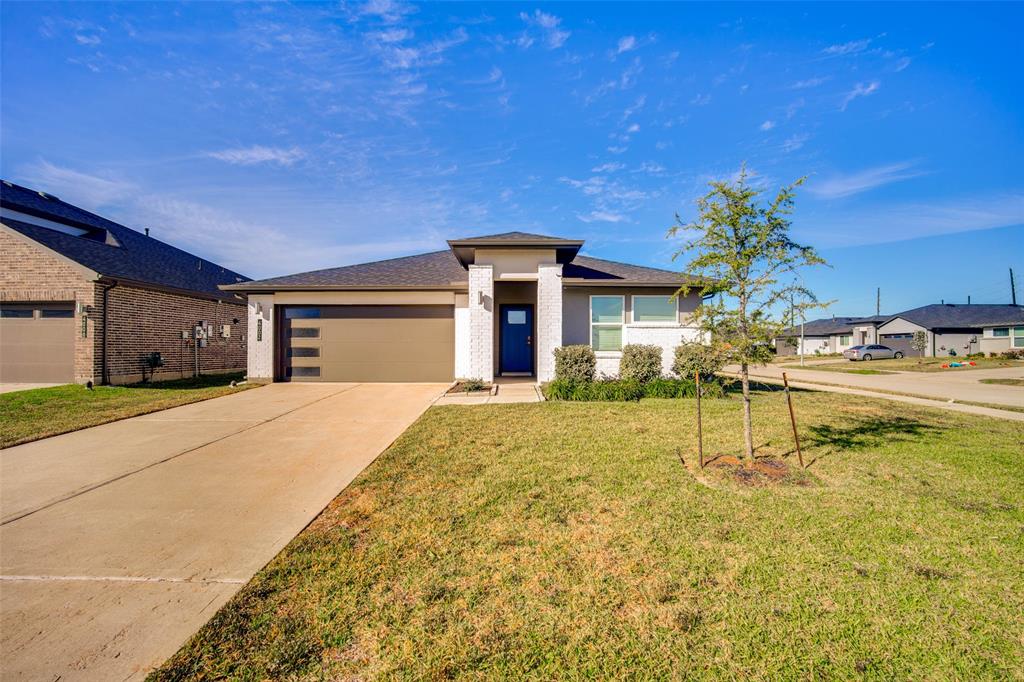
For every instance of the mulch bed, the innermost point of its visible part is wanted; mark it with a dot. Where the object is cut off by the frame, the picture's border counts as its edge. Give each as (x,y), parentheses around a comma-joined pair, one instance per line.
(460,389)
(762,472)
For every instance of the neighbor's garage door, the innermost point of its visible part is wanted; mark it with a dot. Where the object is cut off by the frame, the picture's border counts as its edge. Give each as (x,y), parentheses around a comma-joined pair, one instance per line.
(37,342)
(367,343)
(900,342)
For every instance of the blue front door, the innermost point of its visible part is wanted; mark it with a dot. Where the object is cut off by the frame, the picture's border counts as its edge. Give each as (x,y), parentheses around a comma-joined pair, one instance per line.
(516,342)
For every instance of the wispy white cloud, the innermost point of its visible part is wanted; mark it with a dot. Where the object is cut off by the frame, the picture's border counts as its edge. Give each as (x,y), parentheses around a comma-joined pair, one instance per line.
(809,83)
(859,90)
(609,167)
(851,47)
(602,217)
(767,125)
(89,40)
(875,224)
(626,44)
(652,168)
(548,26)
(701,100)
(388,11)
(617,149)
(256,154)
(901,64)
(839,186)
(92,192)
(795,142)
(634,107)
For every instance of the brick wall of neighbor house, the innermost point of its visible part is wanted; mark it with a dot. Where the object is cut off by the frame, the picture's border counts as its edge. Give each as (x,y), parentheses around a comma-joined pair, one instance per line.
(143,321)
(32,274)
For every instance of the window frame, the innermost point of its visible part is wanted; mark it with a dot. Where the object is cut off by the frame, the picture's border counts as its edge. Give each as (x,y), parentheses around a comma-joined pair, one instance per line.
(1006,332)
(1016,337)
(656,323)
(846,339)
(621,324)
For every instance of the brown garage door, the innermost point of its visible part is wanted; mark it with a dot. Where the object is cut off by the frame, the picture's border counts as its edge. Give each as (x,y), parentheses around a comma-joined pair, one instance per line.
(37,342)
(367,343)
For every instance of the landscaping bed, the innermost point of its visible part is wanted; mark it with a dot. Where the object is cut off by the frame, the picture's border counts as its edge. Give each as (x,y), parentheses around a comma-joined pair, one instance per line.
(38,413)
(566,540)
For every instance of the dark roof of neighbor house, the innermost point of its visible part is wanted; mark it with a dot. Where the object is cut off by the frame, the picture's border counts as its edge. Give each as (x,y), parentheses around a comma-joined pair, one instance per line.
(827,326)
(960,315)
(111,249)
(442,270)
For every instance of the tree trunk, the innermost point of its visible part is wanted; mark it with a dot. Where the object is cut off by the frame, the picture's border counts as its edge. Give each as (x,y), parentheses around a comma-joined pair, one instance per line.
(748,432)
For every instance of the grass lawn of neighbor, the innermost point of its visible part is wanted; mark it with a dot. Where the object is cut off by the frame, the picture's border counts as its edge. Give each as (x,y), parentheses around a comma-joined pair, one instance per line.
(581,540)
(30,415)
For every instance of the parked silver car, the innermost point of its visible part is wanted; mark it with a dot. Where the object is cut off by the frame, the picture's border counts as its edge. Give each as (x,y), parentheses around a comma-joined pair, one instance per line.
(871,352)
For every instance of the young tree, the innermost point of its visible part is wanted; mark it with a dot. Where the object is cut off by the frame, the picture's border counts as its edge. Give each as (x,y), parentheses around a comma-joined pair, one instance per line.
(740,247)
(920,344)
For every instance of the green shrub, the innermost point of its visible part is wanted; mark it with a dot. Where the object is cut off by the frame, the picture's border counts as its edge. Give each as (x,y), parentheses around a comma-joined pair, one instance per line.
(640,363)
(619,390)
(575,363)
(691,358)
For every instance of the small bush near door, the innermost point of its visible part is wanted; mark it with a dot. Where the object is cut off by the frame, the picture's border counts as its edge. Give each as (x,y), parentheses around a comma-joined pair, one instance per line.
(640,363)
(575,363)
(696,358)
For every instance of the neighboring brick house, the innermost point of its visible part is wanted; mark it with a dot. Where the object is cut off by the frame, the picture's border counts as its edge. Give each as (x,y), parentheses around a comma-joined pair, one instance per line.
(83,299)
(485,307)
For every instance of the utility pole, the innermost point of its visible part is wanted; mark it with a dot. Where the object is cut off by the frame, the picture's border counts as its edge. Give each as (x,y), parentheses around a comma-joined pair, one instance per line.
(878,301)
(1013,289)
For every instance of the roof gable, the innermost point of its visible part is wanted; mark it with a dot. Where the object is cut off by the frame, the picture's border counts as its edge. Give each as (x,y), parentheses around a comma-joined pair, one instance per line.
(111,249)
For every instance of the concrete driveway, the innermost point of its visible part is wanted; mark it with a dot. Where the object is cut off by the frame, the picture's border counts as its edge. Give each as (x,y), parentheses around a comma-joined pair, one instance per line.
(118,542)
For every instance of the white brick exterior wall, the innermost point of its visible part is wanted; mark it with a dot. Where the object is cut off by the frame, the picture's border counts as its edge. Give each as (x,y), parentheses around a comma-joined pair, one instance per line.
(666,336)
(261,338)
(481,322)
(549,318)
(463,368)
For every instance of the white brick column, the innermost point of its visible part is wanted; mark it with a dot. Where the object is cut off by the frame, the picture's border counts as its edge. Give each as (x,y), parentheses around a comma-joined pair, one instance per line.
(260,349)
(549,319)
(481,322)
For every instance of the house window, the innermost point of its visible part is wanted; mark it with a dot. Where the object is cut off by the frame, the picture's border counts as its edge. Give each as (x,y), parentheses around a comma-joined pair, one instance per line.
(1018,337)
(845,339)
(1001,331)
(655,309)
(16,312)
(292,313)
(606,320)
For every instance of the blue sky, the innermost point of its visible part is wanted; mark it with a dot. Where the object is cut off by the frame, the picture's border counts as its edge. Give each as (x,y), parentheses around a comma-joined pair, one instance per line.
(277,138)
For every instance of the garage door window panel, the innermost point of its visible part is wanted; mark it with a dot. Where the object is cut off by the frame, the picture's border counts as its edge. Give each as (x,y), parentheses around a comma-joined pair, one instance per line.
(303,352)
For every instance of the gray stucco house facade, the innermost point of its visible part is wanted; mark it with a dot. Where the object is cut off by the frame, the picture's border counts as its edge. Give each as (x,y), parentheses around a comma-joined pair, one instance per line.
(484,307)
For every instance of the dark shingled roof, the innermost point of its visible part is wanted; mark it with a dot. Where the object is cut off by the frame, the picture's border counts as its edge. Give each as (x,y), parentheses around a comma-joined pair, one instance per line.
(113,250)
(441,269)
(436,269)
(954,315)
(515,237)
(827,326)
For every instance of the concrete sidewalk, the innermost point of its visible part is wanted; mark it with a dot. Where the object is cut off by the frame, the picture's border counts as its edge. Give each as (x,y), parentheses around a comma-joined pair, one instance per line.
(120,541)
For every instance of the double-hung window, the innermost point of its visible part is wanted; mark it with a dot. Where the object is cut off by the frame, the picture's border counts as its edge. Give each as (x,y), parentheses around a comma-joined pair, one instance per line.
(845,339)
(1018,337)
(656,309)
(607,316)
(1001,331)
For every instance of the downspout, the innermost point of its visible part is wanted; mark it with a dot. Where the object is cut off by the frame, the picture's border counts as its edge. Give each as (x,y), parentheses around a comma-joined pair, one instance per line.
(104,370)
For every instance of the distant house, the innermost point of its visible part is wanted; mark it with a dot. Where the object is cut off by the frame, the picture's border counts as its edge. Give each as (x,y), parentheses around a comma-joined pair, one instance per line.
(957,328)
(950,328)
(83,298)
(828,335)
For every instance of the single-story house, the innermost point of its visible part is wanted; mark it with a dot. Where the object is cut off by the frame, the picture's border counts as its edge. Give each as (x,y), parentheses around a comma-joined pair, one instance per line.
(828,335)
(496,305)
(83,298)
(955,327)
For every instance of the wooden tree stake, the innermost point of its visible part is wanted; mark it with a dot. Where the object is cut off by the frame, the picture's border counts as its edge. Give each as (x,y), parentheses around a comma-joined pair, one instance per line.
(700,435)
(792,420)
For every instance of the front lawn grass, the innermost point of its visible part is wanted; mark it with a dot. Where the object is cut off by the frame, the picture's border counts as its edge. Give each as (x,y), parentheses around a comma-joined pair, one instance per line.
(38,413)
(566,540)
